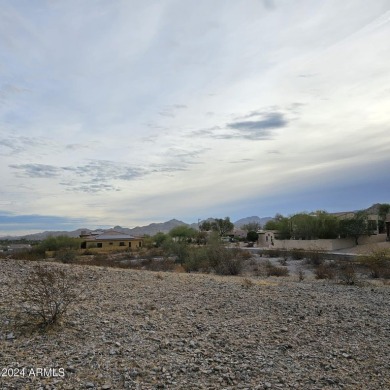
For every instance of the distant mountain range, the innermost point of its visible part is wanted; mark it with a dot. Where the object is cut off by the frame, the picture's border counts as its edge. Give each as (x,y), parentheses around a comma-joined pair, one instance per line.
(254,219)
(150,229)
(154,228)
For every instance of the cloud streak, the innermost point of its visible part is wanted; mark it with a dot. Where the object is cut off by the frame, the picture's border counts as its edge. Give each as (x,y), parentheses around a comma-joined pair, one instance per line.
(100,173)
(261,129)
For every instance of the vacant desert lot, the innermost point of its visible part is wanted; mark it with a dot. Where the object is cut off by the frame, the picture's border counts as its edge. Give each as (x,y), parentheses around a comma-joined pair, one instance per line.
(143,330)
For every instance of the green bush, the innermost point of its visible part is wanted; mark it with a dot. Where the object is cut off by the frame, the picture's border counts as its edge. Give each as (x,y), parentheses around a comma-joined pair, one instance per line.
(198,260)
(214,256)
(58,243)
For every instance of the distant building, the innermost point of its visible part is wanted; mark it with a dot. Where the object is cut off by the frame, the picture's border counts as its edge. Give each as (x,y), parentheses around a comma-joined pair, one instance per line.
(373,218)
(18,247)
(109,240)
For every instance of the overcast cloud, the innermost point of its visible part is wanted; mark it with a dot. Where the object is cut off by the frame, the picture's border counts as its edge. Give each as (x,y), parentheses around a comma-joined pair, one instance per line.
(128,112)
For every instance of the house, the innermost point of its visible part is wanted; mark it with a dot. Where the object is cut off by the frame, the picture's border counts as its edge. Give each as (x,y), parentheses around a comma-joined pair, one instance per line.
(266,238)
(372,218)
(109,240)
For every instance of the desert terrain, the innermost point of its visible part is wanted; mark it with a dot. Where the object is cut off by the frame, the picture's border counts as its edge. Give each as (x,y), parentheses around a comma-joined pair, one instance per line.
(135,329)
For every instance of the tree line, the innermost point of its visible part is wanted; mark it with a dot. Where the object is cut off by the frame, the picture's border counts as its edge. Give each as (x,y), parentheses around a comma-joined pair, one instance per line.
(322,225)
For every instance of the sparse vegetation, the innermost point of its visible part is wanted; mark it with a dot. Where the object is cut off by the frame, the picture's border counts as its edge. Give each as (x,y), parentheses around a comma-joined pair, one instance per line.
(297,254)
(273,270)
(378,263)
(66,255)
(347,273)
(325,271)
(247,283)
(47,292)
(314,257)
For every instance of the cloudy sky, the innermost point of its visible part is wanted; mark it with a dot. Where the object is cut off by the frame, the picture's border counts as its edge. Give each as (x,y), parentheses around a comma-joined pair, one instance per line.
(128,112)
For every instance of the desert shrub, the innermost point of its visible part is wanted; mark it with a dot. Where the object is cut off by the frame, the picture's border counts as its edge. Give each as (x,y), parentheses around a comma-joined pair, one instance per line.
(274,253)
(297,254)
(158,265)
(347,273)
(198,260)
(259,271)
(155,252)
(129,254)
(66,256)
(324,271)
(30,255)
(273,270)
(246,255)
(179,249)
(47,291)
(283,261)
(179,269)
(101,259)
(215,256)
(314,257)
(378,263)
(247,283)
(232,265)
(87,252)
(301,275)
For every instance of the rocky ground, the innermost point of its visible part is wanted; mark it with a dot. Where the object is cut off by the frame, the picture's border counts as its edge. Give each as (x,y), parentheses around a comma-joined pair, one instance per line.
(147,330)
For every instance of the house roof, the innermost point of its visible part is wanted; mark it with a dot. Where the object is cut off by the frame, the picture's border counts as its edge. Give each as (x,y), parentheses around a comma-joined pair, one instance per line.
(111,235)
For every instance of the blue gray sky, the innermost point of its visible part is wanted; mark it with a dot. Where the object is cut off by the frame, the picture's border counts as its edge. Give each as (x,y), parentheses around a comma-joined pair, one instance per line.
(128,112)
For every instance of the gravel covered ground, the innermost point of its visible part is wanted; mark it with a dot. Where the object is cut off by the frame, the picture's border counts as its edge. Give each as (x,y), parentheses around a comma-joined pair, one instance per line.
(147,330)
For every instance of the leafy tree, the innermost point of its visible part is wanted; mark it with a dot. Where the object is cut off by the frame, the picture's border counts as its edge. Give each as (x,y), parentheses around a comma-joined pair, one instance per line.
(271,225)
(315,225)
(219,225)
(183,233)
(160,238)
(303,226)
(384,209)
(201,237)
(58,243)
(205,226)
(356,226)
(327,225)
(222,226)
(281,224)
(181,249)
(252,236)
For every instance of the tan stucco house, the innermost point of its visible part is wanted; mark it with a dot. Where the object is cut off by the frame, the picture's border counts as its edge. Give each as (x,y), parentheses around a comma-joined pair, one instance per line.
(110,240)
